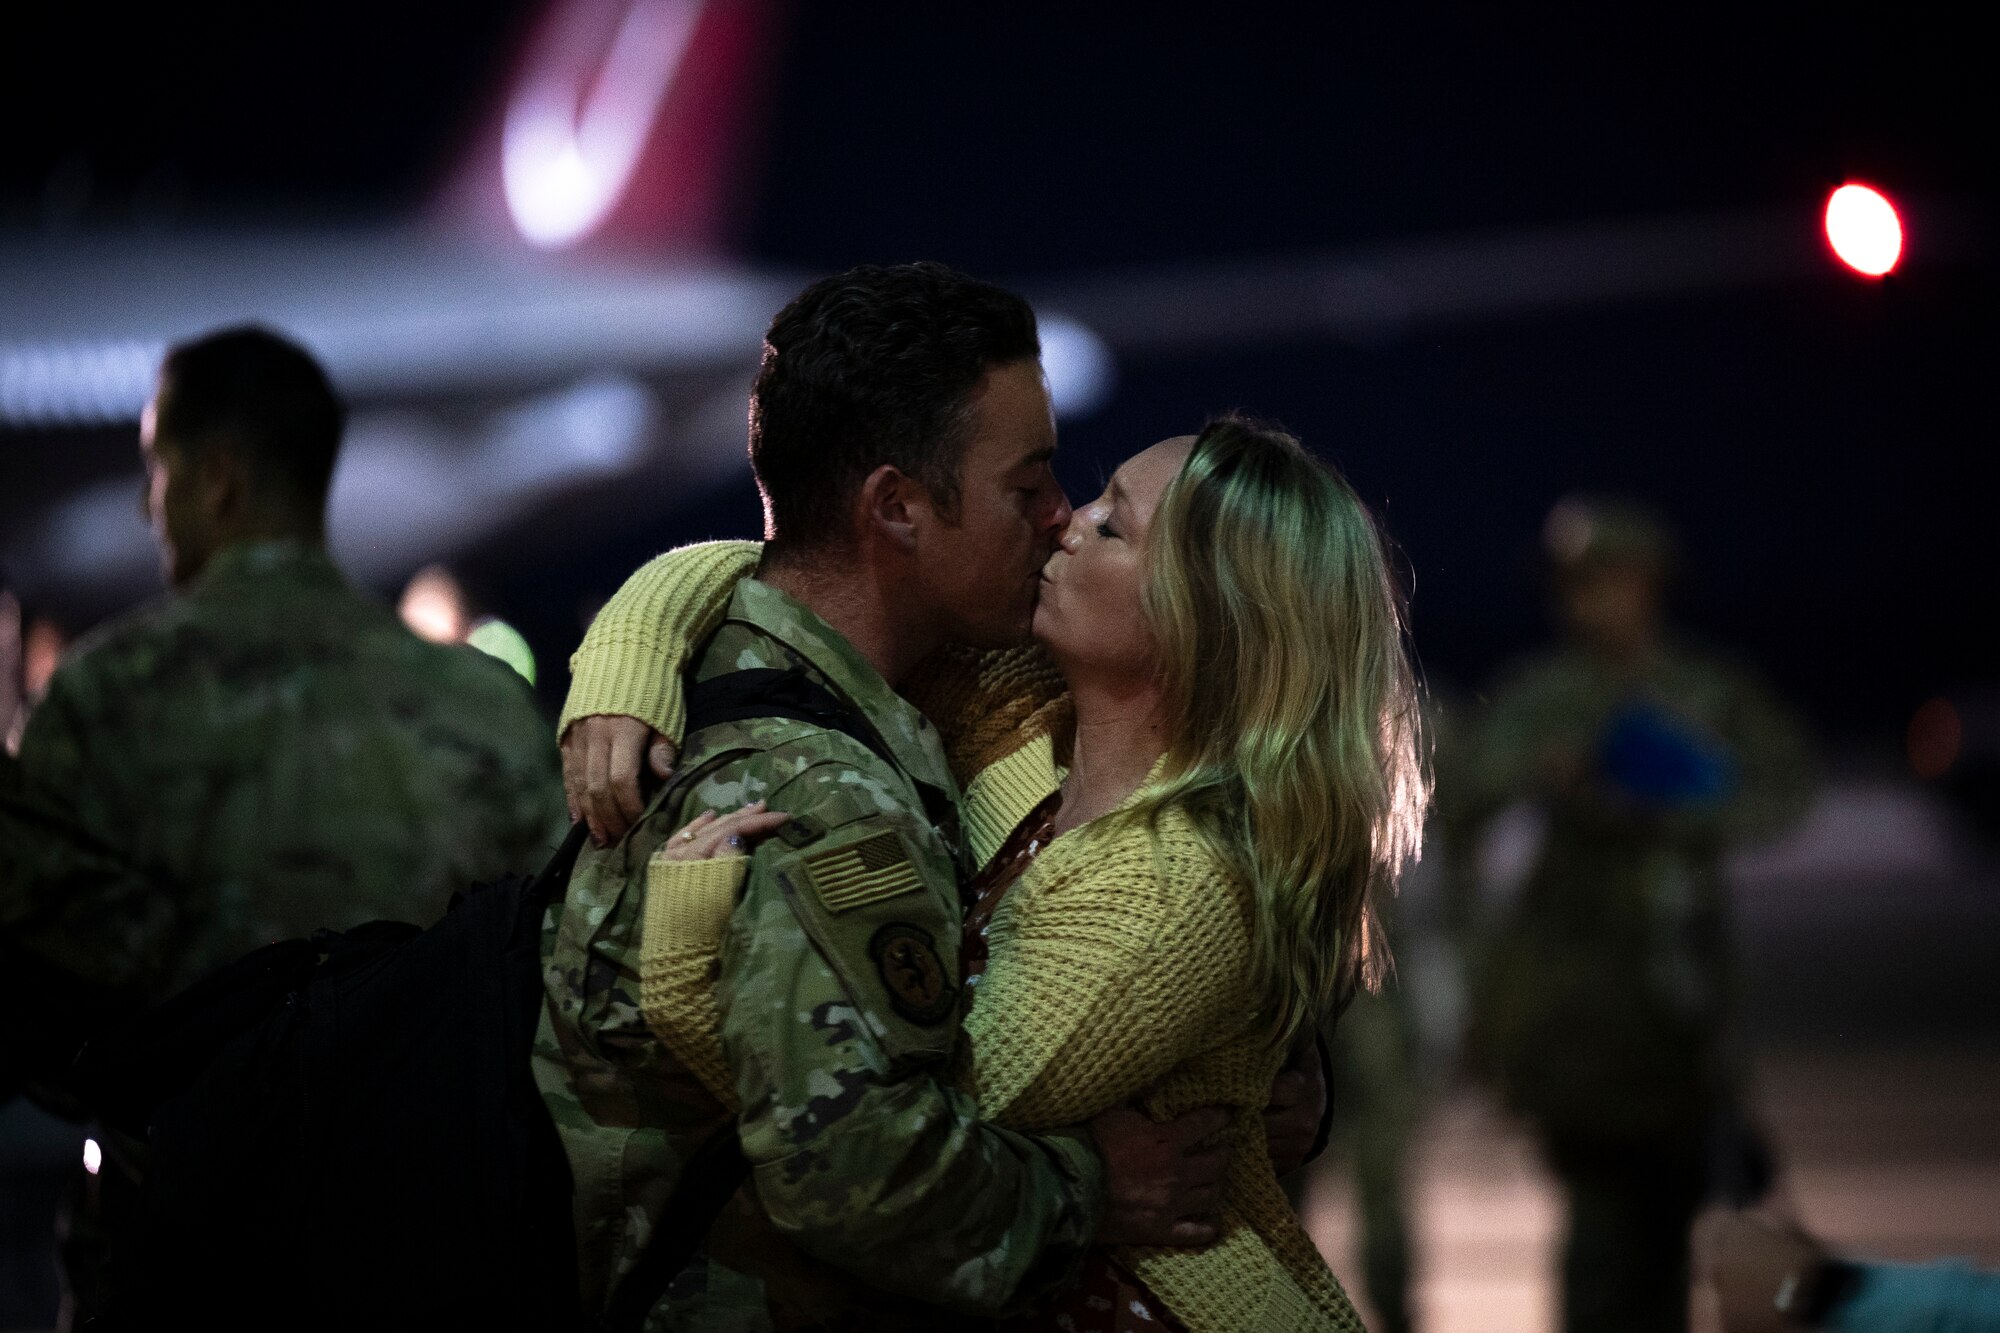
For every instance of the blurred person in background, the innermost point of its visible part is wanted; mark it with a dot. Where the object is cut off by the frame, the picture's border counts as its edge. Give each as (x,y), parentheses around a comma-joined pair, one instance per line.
(435,606)
(1602,1004)
(1376,1102)
(13,704)
(267,751)
(30,648)
(1770,1276)
(268,743)
(1392,1047)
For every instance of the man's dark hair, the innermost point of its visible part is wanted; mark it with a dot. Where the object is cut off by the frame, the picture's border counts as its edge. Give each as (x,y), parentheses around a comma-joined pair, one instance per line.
(874,366)
(263,398)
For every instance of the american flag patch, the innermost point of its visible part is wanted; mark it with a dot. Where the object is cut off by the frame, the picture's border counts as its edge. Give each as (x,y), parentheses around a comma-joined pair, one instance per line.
(862,872)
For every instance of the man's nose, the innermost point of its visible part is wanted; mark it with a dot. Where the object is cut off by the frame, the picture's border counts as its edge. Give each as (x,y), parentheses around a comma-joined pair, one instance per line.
(1059,520)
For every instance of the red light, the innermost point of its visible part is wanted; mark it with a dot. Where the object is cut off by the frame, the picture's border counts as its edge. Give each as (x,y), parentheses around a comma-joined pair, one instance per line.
(1862,227)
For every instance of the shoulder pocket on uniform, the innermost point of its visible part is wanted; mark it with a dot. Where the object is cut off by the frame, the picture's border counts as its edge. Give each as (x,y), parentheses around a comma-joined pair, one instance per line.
(861,894)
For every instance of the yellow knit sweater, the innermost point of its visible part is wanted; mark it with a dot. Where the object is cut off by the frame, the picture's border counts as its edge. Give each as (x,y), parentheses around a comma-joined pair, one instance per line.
(631,657)
(1118,969)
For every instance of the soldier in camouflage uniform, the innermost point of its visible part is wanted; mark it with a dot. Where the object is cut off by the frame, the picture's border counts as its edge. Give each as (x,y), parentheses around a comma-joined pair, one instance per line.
(856,1145)
(1603,1005)
(265,753)
(901,434)
(270,750)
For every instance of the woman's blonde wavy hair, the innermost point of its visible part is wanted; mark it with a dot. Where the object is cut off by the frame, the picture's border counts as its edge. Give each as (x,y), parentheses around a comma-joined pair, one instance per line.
(1296,748)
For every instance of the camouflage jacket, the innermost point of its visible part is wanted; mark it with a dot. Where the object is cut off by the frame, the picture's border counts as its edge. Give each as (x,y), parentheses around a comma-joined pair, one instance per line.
(81,919)
(838,988)
(267,754)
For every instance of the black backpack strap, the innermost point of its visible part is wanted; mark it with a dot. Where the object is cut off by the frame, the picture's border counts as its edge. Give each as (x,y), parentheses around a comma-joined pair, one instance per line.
(769,692)
(551,882)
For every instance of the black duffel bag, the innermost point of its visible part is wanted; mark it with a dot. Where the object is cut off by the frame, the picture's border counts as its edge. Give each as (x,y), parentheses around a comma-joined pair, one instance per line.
(345,1132)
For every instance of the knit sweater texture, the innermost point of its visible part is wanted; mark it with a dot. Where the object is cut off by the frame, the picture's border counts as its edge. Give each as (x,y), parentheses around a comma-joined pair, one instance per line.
(1119,962)
(631,657)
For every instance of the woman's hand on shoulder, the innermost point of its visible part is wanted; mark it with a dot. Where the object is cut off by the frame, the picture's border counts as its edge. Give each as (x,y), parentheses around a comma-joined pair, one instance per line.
(709,835)
(601,757)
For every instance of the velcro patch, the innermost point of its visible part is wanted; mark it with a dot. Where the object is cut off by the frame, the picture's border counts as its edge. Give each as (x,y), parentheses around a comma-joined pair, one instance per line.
(861,873)
(802,831)
(907,961)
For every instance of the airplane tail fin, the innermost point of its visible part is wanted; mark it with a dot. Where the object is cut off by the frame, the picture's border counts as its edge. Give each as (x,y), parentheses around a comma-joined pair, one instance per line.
(623,125)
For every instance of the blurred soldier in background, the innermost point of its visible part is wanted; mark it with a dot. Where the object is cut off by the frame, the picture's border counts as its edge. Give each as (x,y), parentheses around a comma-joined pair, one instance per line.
(266,752)
(13,704)
(30,647)
(1603,1003)
(271,748)
(1376,1102)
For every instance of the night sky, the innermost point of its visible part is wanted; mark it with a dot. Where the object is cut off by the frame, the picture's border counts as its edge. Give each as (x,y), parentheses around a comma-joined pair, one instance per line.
(1825,446)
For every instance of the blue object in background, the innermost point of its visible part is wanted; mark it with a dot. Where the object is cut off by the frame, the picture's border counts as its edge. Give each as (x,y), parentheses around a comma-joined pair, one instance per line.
(1657,759)
(1947,1297)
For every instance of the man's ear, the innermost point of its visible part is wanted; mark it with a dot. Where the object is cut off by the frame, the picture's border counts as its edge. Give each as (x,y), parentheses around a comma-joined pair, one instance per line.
(222,487)
(892,506)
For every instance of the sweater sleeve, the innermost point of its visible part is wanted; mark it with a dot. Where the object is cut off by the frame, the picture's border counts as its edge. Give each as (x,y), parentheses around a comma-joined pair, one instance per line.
(1116,961)
(688,904)
(631,658)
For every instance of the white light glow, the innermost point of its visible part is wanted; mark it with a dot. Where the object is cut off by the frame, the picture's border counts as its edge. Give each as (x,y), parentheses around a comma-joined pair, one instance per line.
(77,383)
(1081,372)
(1862,227)
(410,491)
(575,130)
(93,1156)
(433,606)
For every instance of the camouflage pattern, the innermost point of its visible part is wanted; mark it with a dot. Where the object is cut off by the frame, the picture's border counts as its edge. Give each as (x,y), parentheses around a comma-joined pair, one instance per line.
(266,754)
(73,903)
(838,985)
(1601,1003)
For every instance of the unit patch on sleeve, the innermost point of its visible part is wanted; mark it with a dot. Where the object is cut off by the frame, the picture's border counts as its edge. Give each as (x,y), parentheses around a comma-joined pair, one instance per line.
(913,974)
(863,872)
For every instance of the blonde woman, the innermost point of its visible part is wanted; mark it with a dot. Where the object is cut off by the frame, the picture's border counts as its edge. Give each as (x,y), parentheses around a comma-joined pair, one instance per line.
(1186,797)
